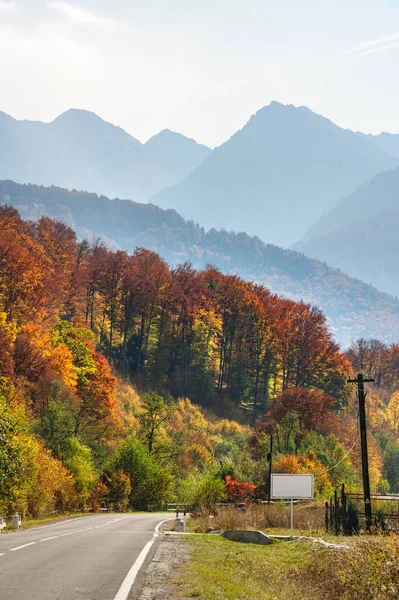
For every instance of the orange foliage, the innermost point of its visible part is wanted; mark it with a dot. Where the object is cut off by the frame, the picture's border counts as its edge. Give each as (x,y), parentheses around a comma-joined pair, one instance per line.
(305,464)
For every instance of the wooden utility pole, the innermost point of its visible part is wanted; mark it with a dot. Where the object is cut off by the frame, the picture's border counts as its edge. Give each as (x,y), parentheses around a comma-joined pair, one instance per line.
(360,381)
(269,460)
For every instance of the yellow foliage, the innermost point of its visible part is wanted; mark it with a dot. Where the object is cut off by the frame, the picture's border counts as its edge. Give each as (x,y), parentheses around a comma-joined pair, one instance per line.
(393,412)
(228,428)
(46,485)
(376,411)
(62,363)
(8,326)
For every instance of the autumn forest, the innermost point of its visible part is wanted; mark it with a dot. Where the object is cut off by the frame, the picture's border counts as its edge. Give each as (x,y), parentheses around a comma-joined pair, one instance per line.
(126,383)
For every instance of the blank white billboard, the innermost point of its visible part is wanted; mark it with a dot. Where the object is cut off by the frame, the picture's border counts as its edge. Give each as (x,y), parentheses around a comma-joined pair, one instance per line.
(292,486)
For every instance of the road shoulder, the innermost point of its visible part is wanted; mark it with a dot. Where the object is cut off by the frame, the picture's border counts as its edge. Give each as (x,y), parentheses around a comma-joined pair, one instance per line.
(159,580)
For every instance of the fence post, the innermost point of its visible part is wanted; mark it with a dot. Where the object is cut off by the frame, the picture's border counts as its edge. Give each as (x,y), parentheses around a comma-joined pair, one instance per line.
(326,515)
(336,512)
(331,515)
(343,498)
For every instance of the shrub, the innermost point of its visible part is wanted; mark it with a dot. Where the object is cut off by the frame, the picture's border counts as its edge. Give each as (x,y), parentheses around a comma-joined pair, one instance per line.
(379,520)
(239,492)
(352,523)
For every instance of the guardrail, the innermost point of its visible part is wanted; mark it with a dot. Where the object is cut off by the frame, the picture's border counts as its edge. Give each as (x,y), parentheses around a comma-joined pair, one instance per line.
(182,506)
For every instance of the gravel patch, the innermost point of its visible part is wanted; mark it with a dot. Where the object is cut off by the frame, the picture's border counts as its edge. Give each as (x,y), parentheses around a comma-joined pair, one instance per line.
(159,581)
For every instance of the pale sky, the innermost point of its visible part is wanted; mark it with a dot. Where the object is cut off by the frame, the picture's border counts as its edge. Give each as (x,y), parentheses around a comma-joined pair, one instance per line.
(200,67)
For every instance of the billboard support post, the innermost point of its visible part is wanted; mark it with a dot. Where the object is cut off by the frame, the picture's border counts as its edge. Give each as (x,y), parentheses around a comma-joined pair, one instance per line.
(292,517)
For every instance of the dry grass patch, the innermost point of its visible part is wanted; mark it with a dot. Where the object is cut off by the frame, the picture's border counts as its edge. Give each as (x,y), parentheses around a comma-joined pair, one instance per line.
(369,570)
(308,519)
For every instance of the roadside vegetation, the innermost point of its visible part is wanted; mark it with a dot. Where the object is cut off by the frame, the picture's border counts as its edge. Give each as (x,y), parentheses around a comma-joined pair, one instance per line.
(288,570)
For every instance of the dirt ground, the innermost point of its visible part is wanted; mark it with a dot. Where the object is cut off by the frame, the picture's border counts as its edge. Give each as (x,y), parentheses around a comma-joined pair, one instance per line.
(159,578)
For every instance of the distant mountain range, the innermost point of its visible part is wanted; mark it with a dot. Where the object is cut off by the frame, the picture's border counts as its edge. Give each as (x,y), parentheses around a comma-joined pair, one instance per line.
(354,309)
(274,178)
(360,235)
(79,150)
(279,174)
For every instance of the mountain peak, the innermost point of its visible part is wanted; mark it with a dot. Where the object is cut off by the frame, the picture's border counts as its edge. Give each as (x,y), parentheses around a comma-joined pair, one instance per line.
(168,136)
(77,115)
(282,170)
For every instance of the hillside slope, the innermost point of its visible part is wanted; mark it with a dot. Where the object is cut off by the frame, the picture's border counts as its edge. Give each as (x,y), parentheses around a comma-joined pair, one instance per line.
(79,150)
(354,309)
(278,174)
(360,234)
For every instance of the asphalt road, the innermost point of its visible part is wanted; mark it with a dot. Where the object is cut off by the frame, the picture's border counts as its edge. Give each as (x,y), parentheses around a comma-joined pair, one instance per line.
(89,558)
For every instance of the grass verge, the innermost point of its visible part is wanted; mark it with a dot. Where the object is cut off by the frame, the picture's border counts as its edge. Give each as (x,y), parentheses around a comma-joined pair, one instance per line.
(223,570)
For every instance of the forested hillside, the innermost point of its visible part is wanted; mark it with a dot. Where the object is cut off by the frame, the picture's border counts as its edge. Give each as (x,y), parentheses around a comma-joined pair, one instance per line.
(80,324)
(79,150)
(353,308)
(360,234)
(279,173)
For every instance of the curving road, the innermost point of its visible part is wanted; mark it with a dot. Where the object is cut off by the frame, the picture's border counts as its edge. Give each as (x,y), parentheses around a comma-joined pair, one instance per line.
(90,558)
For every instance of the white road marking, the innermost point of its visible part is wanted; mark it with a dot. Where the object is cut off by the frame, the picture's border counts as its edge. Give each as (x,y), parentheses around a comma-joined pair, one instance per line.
(53,537)
(60,523)
(130,578)
(128,582)
(20,547)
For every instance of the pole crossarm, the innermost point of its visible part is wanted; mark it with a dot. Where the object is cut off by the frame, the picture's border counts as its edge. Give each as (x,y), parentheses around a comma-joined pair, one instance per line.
(360,378)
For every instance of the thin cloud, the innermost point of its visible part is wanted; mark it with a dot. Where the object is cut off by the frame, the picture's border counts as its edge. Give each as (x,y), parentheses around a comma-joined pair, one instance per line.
(80,15)
(379,45)
(8,6)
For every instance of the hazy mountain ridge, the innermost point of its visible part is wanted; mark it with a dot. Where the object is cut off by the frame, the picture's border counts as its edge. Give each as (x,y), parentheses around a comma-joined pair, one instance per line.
(354,308)
(388,142)
(282,171)
(82,151)
(360,234)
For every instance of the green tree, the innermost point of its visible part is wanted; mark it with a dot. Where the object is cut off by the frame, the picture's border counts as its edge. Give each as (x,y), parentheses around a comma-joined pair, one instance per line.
(79,462)
(153,414)
(57,424)
(10,452)
(148,479)
(391,468)
(119,490)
